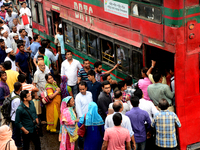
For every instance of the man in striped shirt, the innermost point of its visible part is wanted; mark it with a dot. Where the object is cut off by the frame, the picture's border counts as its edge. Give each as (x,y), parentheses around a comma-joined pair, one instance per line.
(82,74)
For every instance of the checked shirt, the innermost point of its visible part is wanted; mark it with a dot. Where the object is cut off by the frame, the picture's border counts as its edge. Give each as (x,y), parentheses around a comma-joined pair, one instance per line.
(164,123)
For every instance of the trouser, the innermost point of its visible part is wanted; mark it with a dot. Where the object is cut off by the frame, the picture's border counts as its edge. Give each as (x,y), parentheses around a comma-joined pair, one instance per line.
(28,78)
(63,57)
(31,137)
(33,66)
(52,73)
(74,90)
(16,135)
(141,145)
(28,30)
(81,143)
(161,148)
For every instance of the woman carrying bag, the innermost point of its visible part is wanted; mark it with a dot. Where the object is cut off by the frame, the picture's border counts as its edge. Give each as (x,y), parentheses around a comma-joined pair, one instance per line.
(53,108)
(94,124)
(68,121)
(6,141)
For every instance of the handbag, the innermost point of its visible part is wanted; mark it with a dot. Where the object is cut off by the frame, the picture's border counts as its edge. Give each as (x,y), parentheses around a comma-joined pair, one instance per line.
(38,126)
(82,129)
(45,98)
(25,19)
(8,145)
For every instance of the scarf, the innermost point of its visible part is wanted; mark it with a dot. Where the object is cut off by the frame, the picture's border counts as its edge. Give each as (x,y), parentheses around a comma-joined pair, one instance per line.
(63,87)
(92,116)
(52,86)
(67,116)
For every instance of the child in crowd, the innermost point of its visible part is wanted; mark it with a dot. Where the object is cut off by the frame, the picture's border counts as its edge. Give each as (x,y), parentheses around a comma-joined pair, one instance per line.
(68,121)
(37,103)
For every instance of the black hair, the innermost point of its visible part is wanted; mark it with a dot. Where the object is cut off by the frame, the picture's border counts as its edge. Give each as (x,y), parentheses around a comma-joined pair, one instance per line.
(42,50)
(121,84)
(138,93)
(9,10)
(2,64)
(23,94)
(117,106)
(30,38)
(83,83)
(40,56)
(1,22)
(47,76)
(85,60)
(9,6)
(156,76)
(1,28)
(19,45)
(128,81)
(91,73)
(2,6)
(20,31)
(144,70)
(21,78)
(117,94)
(1,40)
(2,72)
(163,104)
(17,86)
(117,119)
(97,64)
(105,76)
(35,37)
(60,30)
(23,3)
(105,83)
(135,101)
(48,41)
(68,51)
(44,43)
(19,41)
(7,65)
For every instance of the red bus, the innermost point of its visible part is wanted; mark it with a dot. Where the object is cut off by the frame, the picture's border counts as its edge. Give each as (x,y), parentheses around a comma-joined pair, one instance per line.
(132,33)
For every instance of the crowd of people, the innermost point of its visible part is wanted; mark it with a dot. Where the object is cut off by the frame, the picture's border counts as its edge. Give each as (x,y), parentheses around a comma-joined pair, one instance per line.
(51,88)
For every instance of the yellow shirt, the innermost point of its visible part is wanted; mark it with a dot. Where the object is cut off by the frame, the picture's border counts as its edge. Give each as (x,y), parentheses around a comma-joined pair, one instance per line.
(11,79)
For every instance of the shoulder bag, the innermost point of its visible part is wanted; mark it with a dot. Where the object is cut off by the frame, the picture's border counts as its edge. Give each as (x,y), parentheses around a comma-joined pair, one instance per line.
(7,145)
(82,129)
(37,125)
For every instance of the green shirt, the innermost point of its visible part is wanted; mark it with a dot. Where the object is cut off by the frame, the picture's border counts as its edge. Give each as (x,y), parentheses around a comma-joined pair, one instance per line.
(46,61)
(23,119)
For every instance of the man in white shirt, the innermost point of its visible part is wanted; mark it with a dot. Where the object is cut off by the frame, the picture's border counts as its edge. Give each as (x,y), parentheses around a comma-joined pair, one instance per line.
(13,33)
(5,27)
(11,57)
(14,105)
(6,38)
(69,67)
(82,100)
(9,17)
(118,97)
(146,105)
(26,11)
(126,123)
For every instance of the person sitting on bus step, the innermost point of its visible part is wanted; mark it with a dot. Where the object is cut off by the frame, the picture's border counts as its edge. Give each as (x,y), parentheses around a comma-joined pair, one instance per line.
(158,91)
(164,122)
(113,83)
(98,70)
(149,73)
(82,74)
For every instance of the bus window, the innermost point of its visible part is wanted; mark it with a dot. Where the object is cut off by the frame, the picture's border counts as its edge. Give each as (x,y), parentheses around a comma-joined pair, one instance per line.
(77,38)
(93,45)
(136,64)
(40,14)
(49,21)
(146,11)
(123,58)
(68,34)
(33,9)
(107,51)
(83,46)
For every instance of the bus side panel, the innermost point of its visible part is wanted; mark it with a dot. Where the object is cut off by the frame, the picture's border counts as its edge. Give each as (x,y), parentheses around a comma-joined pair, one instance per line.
(173,4)
(192,75)
(191,2)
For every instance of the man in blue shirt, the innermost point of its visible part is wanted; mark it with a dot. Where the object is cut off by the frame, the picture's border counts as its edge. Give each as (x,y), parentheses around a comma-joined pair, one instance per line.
(24,121)
(34,48)
(2,51)
(93,86)
(22,62)
(138,118)
(23,37)
(82,74)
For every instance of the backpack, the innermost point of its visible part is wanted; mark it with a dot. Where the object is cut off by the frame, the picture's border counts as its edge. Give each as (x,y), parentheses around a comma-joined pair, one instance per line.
(6,108)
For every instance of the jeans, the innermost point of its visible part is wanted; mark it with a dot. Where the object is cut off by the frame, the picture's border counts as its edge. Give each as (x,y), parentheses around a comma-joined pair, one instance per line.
(141,146)
(74,90)
(31,137)
(160,148)
(63,57)
(16,135)
(28,78)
